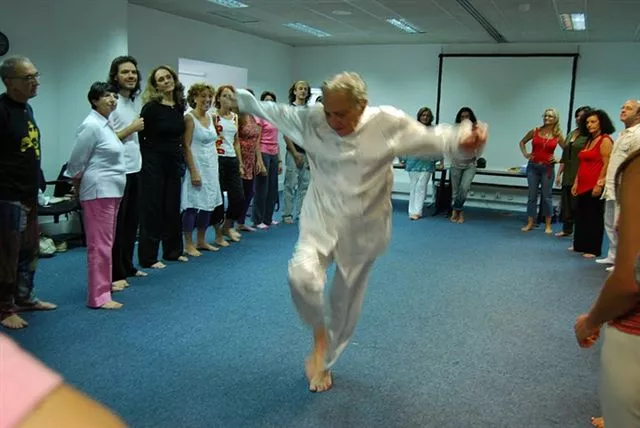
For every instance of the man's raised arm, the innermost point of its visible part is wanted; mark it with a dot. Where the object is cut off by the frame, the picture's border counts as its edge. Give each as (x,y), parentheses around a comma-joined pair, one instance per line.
(411,138)
(288,119)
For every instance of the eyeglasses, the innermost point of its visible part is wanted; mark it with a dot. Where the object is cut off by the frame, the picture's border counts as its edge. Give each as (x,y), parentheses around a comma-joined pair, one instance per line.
(28,78)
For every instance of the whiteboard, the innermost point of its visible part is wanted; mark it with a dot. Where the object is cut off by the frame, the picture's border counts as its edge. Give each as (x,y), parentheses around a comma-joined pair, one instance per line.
(510,94)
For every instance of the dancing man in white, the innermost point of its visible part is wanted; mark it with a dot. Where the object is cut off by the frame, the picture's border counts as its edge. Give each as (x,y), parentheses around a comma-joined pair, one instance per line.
(346,214)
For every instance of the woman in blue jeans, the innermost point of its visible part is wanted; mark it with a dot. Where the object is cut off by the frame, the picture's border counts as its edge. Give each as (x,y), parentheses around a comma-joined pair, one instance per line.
(462,172)
(541,166)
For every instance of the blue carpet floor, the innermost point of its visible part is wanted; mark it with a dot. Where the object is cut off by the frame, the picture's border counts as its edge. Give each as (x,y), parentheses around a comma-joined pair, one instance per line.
(463,326)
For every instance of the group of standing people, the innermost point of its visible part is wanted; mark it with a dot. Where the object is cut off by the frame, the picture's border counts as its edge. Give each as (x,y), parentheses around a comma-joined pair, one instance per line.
(590,159)
(599,178)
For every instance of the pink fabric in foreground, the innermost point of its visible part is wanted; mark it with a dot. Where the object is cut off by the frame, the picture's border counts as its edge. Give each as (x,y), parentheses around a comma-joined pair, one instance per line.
(24,382)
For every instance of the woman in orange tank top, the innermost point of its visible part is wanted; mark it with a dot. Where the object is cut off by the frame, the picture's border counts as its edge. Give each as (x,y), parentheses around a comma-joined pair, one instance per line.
(618,310)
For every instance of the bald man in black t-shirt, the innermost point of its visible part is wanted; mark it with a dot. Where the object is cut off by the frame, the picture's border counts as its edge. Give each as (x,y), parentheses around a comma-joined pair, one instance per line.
(19,180)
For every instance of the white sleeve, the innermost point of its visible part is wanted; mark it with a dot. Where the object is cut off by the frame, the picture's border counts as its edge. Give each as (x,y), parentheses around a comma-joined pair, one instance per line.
(409,137)
(86,140)
(289,120)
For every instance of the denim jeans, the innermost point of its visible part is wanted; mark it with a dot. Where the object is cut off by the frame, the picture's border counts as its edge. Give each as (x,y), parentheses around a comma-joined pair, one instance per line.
(461,179)
(296,182)
(540,175)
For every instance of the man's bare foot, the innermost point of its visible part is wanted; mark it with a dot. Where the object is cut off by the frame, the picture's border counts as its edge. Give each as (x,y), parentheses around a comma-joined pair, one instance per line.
(319,378)
(207,247)
(38,305)
(597,422)
(115,289)
(527,228)
(414,217)
(111,304)
(460,218)
(158,265)
(548,230)
(192,251)
(140,273)
(182,259)
(454,217)
(13,322)
(589,256)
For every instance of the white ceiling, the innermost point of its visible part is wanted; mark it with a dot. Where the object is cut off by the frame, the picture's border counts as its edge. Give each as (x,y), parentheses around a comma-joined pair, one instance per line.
(443,21)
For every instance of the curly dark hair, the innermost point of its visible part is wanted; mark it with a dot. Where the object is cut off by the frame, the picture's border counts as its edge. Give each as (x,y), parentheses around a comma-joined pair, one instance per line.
(472,115)
(606,126)
(266,94)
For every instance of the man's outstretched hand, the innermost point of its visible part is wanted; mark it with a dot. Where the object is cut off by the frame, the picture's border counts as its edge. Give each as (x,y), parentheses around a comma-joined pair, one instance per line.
(476,140)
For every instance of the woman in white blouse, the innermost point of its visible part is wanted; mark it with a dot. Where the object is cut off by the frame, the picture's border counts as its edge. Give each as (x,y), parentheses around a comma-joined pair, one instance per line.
(97,165)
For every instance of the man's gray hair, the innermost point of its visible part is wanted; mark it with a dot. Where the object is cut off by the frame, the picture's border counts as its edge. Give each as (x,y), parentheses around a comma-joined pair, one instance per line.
(348,82)
(9,65)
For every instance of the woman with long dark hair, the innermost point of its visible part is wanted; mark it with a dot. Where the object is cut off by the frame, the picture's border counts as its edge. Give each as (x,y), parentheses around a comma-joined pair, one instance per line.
(574,143)
(462,172)
(589,184)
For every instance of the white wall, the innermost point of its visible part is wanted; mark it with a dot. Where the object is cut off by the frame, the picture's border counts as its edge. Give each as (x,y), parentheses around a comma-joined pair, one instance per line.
(70,55)
(407,75)
(159,38)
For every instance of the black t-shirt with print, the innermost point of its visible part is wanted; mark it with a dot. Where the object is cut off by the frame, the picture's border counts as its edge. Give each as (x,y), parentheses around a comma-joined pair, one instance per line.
(19,151)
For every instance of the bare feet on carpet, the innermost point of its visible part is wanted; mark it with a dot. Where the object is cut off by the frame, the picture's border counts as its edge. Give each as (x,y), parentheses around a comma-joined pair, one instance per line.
(141,273)
(158,265)
(221,242)
(111,304)
(597,422)
(190,250)
(204,246)
(319,377)
(14,322)
(38,305)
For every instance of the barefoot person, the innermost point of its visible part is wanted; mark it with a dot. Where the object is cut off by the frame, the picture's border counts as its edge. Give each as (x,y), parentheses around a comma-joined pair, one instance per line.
(97,163)
(19,175)
(346,215)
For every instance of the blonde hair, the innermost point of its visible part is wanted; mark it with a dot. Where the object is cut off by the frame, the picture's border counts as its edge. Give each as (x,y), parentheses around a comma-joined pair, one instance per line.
(196,89)
(348,82)
(557,131)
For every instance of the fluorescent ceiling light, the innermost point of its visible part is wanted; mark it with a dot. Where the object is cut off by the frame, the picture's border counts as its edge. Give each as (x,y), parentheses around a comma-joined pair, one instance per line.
(403,25)
(573,21)
(306,29)
(229,3)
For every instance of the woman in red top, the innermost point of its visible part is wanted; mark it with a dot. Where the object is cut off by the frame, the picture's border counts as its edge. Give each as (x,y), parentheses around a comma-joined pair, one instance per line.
(618,308)
(541,166)
(587,188)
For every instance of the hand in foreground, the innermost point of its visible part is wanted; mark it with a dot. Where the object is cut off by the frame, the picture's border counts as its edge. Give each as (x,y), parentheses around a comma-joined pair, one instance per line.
(476,140)
(586,334)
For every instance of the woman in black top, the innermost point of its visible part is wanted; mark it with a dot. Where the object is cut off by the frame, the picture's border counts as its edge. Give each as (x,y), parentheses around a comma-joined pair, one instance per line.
(162,168)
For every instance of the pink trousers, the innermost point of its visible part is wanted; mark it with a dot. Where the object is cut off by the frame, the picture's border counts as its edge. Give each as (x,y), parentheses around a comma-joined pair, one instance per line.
(100,226)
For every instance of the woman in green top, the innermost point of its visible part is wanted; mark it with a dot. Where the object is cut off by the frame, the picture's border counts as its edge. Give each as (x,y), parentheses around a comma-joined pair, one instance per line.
(567,172)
